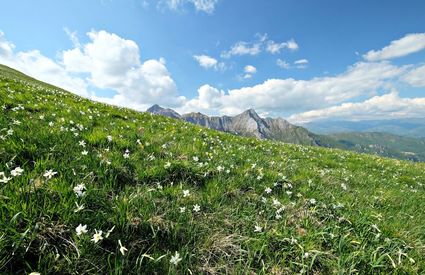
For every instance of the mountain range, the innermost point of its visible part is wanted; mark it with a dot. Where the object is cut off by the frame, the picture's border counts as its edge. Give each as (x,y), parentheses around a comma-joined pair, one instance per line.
(250,124)
(247,124)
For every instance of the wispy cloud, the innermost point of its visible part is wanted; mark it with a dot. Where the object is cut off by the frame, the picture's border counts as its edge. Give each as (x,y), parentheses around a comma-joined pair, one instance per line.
(282,64)
(298,64)
(207,6)
(256,47)
(249,71)
(301,63)
(275,48)
(243,48)
(409,44)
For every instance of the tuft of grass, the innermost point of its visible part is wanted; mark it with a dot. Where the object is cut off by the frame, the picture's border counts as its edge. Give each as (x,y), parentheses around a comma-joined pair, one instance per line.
(158,186)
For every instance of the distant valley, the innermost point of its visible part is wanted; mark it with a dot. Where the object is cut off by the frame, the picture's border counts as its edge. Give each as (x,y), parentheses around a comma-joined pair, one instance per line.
(413,127)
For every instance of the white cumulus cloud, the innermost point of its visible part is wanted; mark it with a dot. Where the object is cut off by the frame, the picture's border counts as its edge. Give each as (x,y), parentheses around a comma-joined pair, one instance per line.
(40,67)
(416,77)
(208,62)
(107,61)
(114,63)
(388,106)
(290,95)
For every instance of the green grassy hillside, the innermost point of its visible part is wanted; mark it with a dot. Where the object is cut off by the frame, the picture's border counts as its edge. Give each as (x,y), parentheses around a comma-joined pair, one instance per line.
(87,188)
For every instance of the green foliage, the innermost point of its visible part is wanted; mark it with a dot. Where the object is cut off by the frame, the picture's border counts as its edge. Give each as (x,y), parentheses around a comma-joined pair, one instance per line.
(264,207)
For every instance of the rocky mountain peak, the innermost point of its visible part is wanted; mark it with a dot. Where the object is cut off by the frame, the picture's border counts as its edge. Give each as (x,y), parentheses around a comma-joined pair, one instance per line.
(154,108)
(158,110)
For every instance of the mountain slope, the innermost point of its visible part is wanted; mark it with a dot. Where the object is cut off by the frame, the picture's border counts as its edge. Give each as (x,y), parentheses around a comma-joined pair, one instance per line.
(247,124)
(87,188)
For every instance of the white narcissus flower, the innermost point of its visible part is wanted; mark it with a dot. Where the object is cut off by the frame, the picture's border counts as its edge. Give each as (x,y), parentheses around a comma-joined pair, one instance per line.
(97,236)
(49,174)
(81,229)
(186,193)
(4,179)
(17,171)
(175,259)
(80,190)
(268,190)
(196,208)
(258,228)
(276,202)
(126,154)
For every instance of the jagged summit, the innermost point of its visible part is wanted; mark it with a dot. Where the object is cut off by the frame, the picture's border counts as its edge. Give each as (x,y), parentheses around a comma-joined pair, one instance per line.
(155,107)
(158,110)
(249,113)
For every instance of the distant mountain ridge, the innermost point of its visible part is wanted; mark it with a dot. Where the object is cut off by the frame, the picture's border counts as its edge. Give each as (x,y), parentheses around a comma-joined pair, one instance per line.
(248,124)
(411,127)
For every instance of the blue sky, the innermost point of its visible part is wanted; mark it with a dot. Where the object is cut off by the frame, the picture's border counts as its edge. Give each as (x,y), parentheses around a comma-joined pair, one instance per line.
(331,37)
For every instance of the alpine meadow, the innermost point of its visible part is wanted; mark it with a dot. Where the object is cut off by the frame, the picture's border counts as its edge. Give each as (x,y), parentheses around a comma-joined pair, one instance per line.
(95,189)
(216,137)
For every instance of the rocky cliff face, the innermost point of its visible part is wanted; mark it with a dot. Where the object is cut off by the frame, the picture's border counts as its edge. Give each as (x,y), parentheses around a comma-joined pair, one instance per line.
(248,124)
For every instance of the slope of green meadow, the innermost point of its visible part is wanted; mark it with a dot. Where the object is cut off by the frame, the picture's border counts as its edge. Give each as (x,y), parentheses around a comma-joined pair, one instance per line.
(153,195)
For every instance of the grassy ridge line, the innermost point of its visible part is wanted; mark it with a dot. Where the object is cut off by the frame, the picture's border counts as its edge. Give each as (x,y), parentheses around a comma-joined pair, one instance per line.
(264,207)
